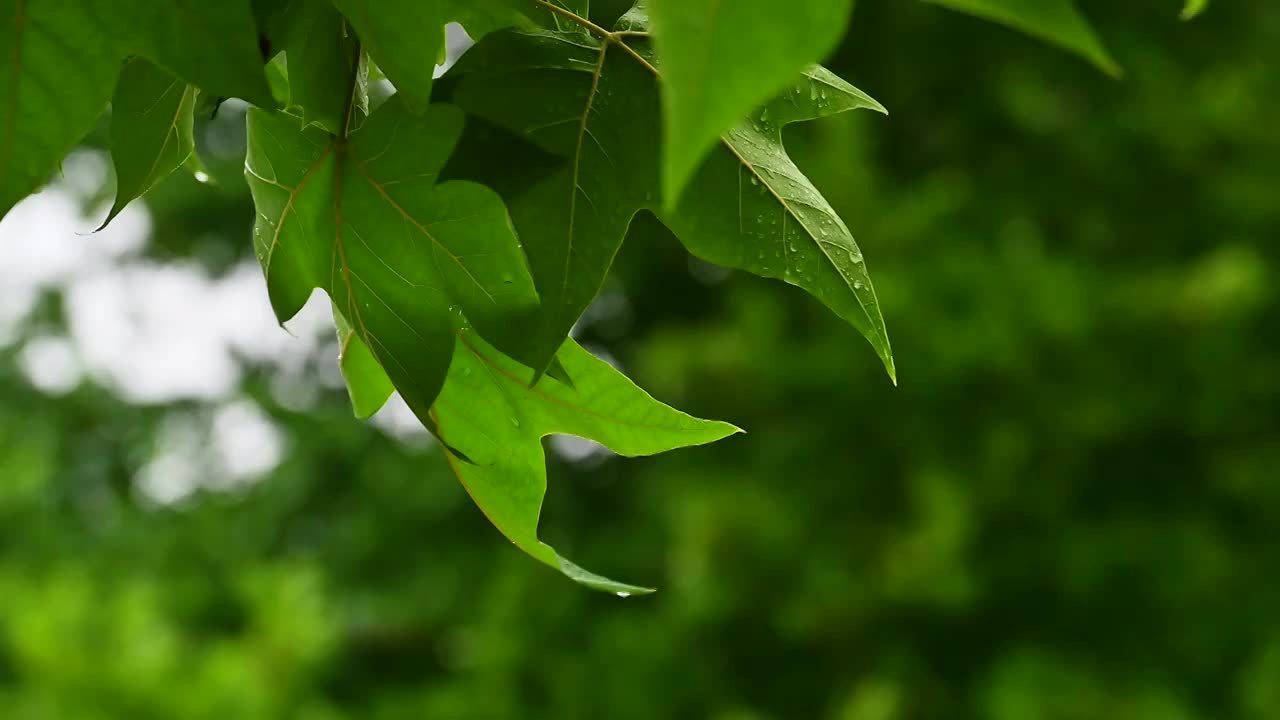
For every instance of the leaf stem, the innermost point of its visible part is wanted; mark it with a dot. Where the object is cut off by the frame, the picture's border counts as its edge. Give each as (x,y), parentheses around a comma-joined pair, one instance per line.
(615,38)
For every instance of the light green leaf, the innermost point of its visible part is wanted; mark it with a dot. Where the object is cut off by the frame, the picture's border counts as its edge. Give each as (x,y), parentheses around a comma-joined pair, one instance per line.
(43,110)
(721,59)
(489,412)
(367,383)
(323,62)
(596,106)
(1192,8)
(151,130)
(213,45)
(365,220)
(1056,21)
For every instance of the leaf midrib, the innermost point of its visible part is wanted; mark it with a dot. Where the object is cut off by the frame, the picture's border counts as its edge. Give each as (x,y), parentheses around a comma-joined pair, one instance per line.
(612,38)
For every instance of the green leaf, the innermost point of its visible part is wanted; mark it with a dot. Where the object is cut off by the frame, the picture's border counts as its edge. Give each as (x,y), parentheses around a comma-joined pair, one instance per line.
(489,412)
(750,207)
(152,115)
(44,110)
(323,61)
(213,45)
(1192,8)
(406,37)
(367,383)
(1056,21)
(721,59)
(595,104)
(365,220)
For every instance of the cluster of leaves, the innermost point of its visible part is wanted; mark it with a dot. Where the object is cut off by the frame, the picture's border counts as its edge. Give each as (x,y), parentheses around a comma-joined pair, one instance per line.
(461,227)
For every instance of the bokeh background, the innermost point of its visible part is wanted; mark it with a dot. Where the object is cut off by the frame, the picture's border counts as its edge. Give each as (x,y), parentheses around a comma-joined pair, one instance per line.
(1069,510)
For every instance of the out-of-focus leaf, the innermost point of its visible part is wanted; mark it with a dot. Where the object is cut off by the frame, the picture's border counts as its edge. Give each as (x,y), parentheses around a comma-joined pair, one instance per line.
(1193,8)
(365,220)
(1056,21)
(152,115)
(720,60)
(43,109)
(489,411)
(596,105)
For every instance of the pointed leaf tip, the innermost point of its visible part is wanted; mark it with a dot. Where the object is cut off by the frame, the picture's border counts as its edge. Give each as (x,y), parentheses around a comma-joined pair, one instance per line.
(591,580)
(152,116)
(1054,21)
(489,410)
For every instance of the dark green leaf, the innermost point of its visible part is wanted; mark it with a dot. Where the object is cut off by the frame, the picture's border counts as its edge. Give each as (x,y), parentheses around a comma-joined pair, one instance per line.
(406,37)
(213,45)
(152,115)
(721,59)
(1056,21)
(45,110)
(596,104)
(323,60)
(366,221)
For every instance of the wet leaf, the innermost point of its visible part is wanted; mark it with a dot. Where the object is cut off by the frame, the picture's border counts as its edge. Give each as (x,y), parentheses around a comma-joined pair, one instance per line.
(595,104)
(721,60)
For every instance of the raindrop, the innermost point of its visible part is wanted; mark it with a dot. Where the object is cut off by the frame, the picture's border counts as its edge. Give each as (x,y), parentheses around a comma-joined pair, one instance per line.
(623,594)
(515,421)
(507,279)
(201,177)
(764,116)
(754,180)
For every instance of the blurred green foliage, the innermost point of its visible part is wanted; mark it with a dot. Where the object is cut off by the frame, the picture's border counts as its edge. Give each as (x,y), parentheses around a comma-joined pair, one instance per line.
(1068,510)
